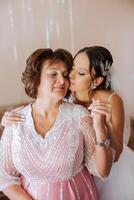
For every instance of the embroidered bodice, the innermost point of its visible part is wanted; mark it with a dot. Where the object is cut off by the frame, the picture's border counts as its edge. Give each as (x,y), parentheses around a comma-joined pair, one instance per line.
(60,155)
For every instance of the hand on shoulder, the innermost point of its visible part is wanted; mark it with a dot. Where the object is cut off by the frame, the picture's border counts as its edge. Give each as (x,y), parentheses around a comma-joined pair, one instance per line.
(13,117)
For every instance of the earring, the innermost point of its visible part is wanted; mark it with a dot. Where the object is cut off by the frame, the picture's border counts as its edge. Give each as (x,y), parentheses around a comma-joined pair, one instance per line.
(93,86)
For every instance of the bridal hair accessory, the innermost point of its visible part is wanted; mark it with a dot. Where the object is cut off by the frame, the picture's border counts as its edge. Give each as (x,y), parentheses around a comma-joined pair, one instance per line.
(105,70)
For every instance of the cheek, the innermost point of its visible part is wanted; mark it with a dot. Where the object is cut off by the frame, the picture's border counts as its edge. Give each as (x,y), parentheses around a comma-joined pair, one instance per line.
(85,81)
(67,84)
(46,85)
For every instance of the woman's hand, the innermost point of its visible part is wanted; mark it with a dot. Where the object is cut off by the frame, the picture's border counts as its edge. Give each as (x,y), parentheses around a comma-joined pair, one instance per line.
(16,192)
(114,121)
(101,112)
(12,117)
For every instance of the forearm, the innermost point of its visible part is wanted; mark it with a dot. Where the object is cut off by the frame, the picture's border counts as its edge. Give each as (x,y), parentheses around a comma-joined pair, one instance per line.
(16,192)
(103,154)
(103,160)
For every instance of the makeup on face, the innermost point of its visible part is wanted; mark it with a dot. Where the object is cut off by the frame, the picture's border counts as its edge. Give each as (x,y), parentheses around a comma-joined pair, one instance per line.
(80,77)
(54,79)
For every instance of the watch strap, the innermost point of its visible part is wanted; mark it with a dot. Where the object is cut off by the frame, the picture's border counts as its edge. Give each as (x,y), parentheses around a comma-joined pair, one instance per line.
(104,143)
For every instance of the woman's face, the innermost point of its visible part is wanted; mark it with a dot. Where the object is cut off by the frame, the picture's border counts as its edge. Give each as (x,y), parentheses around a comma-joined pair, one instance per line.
(54,80)
(80,77)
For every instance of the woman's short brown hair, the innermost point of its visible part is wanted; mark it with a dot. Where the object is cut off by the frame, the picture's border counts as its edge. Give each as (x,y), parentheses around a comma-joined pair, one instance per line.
(31,75)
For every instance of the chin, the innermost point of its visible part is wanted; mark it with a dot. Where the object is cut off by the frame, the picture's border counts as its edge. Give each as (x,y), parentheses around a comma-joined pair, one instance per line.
(59,96)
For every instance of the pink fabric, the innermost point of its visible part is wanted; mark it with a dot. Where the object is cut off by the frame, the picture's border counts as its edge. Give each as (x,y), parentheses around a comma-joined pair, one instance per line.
(79,187)
(51,167)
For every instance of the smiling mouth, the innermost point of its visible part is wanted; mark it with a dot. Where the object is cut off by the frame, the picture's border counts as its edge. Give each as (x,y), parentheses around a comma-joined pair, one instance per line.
(59,88)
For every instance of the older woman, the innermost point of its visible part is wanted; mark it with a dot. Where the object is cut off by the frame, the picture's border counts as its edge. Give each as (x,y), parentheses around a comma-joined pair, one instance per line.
(52,154)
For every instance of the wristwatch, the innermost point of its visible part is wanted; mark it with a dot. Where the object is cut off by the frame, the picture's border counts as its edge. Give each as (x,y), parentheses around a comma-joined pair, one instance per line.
(104,143)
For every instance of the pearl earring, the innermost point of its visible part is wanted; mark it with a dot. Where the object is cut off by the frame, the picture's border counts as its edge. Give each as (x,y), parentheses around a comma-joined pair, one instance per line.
(94,86)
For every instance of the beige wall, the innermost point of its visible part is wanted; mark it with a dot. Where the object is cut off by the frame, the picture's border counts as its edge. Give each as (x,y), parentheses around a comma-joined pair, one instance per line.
(29,24)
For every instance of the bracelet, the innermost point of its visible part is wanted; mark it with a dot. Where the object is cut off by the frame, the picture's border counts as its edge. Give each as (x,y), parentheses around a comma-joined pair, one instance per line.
(104,143)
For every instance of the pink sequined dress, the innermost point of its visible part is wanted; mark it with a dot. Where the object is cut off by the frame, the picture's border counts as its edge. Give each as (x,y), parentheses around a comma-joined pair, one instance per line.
(58,167)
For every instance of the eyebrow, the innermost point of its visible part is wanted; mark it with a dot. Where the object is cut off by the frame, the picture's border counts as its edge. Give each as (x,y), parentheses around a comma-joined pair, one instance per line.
(55,68)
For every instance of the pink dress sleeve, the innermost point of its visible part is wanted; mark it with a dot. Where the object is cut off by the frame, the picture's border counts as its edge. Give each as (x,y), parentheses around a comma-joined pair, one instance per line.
(8,173)
(86,125)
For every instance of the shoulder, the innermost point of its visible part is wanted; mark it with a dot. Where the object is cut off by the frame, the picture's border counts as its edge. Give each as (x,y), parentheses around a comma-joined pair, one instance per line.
(115,101)
(108,95)
(113,98)
(23,110)
(75,109)
(117,106)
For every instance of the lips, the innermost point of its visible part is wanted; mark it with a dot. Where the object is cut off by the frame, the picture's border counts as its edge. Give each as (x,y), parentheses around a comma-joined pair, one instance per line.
(59,88)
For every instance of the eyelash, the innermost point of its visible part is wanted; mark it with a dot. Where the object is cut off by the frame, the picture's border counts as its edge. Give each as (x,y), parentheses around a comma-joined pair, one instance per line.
(54,74)
(80,73)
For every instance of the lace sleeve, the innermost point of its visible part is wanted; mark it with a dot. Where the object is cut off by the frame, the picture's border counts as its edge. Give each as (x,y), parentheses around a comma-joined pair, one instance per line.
(86,124)
(8,173)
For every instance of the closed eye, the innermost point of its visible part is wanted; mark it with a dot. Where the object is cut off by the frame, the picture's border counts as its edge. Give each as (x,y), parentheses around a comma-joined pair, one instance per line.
(66,75)
(53,73)
(81,73)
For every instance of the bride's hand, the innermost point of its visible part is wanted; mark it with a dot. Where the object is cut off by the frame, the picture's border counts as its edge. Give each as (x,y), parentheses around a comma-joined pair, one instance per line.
(101,112)
(12,117)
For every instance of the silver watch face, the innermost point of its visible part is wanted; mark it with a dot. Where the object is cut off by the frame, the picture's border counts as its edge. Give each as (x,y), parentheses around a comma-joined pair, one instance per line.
(107,142)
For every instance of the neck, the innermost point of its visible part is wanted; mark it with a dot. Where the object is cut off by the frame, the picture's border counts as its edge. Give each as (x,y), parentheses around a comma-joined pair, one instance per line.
(83,98)
(46,107)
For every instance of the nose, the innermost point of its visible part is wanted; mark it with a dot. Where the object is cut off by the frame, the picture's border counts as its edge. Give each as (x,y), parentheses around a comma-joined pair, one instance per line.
(61,79)
(72,74)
